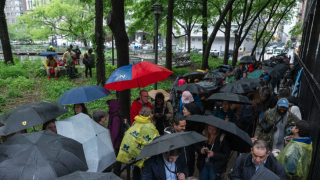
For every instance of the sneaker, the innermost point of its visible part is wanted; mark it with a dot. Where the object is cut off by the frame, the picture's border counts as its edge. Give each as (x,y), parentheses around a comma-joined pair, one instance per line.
(56,77)
(48,77)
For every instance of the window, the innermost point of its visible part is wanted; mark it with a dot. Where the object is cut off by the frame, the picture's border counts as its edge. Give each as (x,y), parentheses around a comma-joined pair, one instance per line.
(12,14)
(193,39)
(8,8)
(17,14)
(11,8)
(8,14)
(13,21)
(17,8)
(199,39)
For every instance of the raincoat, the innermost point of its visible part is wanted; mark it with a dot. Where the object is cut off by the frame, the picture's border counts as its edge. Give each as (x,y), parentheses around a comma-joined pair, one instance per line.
(53,63)
(296,158)
(114,129)
(141,133)
(230,79)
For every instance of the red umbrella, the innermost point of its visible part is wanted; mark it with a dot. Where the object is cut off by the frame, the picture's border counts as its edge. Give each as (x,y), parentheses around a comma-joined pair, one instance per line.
(136,75)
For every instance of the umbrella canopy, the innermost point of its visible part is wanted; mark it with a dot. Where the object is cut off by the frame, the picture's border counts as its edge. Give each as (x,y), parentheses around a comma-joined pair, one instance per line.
(79,175)
(236,88)
(194,75)
(193,88)
(153,93)
(239,140)
(41,155)
(48,53)
(234,98)
(264,173)
(271,71)
(170,142)
(282,54)
(29,115)
(96,141)
(247,60)
(209,86)
(224,68)
(255,74)
(83,94)
(136,75)
(253,83)
(214,75)
(281,68)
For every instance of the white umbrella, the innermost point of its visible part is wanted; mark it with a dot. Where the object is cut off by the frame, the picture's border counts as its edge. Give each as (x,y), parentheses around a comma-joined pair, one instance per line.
(96,140)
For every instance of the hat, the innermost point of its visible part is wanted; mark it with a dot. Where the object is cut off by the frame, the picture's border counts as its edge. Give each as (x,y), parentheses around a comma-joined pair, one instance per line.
(193,108)
(98,114)
(266,77)
(283,103)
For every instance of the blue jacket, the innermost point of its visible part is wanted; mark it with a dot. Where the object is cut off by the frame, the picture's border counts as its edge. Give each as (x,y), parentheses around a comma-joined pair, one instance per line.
(153,168)
(197,99)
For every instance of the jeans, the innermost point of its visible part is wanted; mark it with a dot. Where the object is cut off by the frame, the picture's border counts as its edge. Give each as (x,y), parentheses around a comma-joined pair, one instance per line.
(207,172)
(136,173)
(71,72)
(261,115)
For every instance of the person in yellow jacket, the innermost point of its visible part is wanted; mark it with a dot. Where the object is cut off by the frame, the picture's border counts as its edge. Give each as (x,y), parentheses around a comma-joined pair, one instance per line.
(141,133)
(296,156)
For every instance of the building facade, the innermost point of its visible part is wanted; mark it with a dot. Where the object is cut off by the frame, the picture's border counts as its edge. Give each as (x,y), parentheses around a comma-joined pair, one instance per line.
(13,9)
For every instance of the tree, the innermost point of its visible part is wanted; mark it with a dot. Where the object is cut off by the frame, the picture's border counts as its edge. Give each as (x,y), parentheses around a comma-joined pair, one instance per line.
(296,30)
(169,37)
(4,36)
(19,33)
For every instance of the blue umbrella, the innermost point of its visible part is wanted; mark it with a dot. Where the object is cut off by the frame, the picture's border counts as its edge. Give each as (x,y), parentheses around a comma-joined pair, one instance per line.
(83,94)
(48,53)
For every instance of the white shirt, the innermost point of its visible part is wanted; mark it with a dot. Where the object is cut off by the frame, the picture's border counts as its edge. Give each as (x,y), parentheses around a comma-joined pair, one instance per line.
(172,167)
(296,111)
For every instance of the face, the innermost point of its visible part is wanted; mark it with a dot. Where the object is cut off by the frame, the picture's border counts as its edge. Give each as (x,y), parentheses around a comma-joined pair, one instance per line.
(186,113)
(181,127)
(173,158)
(52,127)
(295,130)
(207,70)
(259,155)
(50,57)
(228,73)
(144,97)
(264,73)
(159,101)
(103,120)
(282,110)
(225,106)
(210,80)
(244,75)
(212,130)
(77,47)
(77,108)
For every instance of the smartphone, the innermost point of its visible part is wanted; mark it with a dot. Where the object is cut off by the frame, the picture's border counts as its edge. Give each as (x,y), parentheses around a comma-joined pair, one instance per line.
(206,149)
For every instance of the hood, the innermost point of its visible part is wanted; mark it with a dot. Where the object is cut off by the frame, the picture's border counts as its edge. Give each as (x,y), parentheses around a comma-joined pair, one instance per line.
(182,82)
(142,119)
(187,97)
(250,65)
(303,140)
(114,106)
(193,108)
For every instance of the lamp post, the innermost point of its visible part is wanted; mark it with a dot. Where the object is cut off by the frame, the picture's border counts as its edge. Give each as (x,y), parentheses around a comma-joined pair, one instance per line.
(157,9)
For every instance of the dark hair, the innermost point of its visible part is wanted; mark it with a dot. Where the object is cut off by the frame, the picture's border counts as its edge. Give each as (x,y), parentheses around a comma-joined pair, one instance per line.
(178,118)
(44,126)
(260,144)
(159,95)
(90,50)
(175,152)
(193,107)
(84,109)
(250,96)
(304,128)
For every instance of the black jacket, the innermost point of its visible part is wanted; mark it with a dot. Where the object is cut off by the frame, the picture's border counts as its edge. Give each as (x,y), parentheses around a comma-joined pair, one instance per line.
(78,53)
(220,157)
(248,170)
(154,169)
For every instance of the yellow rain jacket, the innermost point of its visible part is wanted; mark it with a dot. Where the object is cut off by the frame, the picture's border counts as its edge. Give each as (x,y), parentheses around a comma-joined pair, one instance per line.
(296,158)
(141,133)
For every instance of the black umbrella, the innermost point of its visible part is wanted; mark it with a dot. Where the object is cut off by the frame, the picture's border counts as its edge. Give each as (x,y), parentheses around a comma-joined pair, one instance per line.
(214,75)
(234,98)
(281,69)
(40,155)
(264,173)
(271,71)
(253,83)
(239,140)
(282,54)
(194,75)
(79,175)
(208,85)
(247,60)
(236,88)
(170,142)
(29,115)
(193,88)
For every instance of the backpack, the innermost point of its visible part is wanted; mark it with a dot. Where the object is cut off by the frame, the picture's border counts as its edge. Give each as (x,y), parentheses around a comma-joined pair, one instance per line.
(124,125)
(246,114)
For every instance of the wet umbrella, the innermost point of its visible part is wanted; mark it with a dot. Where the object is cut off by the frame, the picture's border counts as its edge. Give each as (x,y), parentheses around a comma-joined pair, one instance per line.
(96,141)
(281,68)
(194,75)
(224,68)
(255,74)
(170,142)
(29,115)
(282,54)
(48,53)
(193,88)
(264,173)
(208,85)
(41,155)
(271,71)
(79,175)
(83,94)
(253,83)
(247,60)
(234,98)
(214,75)
(239,140)
(236,88)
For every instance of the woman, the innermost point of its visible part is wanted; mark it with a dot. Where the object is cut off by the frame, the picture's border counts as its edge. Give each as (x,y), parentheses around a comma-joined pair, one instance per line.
(212,154)
(251,69)
(185,99)
(50,125)
(162,112)
(80,108)
(226,113)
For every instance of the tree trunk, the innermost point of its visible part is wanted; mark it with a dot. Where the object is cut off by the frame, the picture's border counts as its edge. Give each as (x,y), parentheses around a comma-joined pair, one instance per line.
(85,42)
(189,41)
(101,75)
(4,36)
(205,64)
(204,27)
(169,35)
(227,39)
(235,51)
(118,29)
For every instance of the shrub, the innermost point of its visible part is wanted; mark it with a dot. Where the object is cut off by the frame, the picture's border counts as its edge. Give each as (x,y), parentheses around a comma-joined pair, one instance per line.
(2,99)
(22,83)
(14,93)
(180,71)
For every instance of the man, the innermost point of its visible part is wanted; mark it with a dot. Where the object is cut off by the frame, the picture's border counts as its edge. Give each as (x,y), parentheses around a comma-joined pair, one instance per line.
(78,53)
(138,104)
(165,166)
(67,56)
(264,73)
(230,78)
(51,65)
(296,156)
(179,123)
(99,116)
(274,123)
(247,164)
(51,49)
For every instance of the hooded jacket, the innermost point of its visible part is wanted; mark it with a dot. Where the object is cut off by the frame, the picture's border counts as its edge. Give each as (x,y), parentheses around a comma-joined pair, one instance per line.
(114,107)
(166,108)
(185,99)
(251,68)
(135,109)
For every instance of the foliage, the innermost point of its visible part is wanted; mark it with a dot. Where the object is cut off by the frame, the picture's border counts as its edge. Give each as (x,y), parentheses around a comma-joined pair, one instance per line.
(14,93)
(213,62)
(2,99)
(288,45)
(16,33)
(22,83)
(108,54)
(296,30)
(180,71)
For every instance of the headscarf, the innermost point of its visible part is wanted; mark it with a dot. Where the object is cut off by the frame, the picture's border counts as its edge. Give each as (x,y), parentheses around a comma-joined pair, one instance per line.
(187,97)
(182,82)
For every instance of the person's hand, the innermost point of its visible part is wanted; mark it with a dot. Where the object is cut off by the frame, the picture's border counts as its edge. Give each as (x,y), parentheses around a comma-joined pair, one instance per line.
(181,176)
(227,119)
(157,115)
(288,138)
(203,98)
(202,150)
(276,150)
(210,153)
(254,139)
(160,115)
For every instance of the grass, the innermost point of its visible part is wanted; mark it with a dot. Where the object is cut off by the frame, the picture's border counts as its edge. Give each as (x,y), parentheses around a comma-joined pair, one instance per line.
(213,62)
